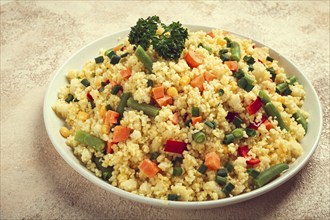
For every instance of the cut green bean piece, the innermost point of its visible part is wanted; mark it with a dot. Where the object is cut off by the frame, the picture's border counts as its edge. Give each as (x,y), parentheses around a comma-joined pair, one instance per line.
(252,172)
(235,51)
(271,110)
(150,83)
(106,171)
(199,137)
(229,167)
(173,197)
(188,122)
(116,89)
(177,171)
(99,59)
(85,82)
(280,88)
(223,51)
(237,122)
(229,138)
(238,133)
(154,155)
(115,59)
(249,59)
(292,80)
(221,180)
(147,109)
(300,119)
(142,55)
(110,53)
(69,98)
(124,55)
(209,49)
(210,124)
(250,67)
(268,58)
(222,172)
(266,176)
(224,57)
(239,74)
(228,188)
(89,140)
(242,83)
(108,107)
(264,97)
(221,92)
(288,91)
(123,103)
(250,132)
(229,42)
(195,112)
(202,168)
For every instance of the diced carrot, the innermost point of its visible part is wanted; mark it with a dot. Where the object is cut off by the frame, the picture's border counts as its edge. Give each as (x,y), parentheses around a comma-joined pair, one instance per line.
(232,65)
(149,168)
(194,59)
(126,73)
(110,117)
(209,76)
(194,120)
(268,124)
(120,133)
(109,147)
(174,118)
(118,47)
(198,82)
(212,161)
(158,92)
(211,34)
(166,100)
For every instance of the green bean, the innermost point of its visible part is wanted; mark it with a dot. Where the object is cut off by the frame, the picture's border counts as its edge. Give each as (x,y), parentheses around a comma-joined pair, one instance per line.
(280,88)
(269,174)
(300,119)
(150,83)
(210,124)
(115,59)
(90,140)
(202,168)
(239,74)
(250,132)
(195,112)
(142,55)
(228,188)
(271,110)
(235,51)
(123,103)
(228,139)
(249,59)
(237,122)
(268,58)
(229,167)
(264,97)
(238,133)
(85,82)
(252,172)
(292,80)
(147,109)
(221,180)
(173,197)
(106,171)
(177,171)
(115,89)
(209,49)
(99,59)
(199,137)
(221,92)
(69,98)
(108,107)
(154,155)
(222,172)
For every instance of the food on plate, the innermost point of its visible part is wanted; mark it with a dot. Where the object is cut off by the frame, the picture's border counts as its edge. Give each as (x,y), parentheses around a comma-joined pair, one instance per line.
(186,116)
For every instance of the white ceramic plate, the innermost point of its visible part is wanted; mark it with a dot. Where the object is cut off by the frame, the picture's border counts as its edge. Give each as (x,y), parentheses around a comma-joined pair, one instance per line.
(76,61)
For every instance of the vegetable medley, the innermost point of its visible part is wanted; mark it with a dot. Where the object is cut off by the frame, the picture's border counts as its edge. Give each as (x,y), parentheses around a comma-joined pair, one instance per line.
(180,115)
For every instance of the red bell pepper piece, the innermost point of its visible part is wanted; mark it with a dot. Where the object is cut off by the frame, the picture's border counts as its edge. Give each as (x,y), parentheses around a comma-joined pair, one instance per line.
(255,125)
(243,151)
(254,106)
(89,96)
(253,161)
(175,146)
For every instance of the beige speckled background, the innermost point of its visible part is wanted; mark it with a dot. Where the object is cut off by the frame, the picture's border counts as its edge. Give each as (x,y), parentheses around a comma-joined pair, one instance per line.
(37,37)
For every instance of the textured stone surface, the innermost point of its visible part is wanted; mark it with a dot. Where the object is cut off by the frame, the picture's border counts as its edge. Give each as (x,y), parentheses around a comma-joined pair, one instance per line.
(37,37)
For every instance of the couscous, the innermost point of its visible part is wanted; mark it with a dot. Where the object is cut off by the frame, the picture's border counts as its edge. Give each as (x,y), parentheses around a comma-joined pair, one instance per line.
(179,115)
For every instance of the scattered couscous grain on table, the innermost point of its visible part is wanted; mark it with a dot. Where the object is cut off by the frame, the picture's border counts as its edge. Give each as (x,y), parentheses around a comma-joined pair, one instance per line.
(179,115)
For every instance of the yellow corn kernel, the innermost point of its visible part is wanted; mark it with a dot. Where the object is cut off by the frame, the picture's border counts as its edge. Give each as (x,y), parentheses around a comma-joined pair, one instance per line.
(82,116)
(225,150)
(97,82)
(105,129)
(185,80)
(65,132)
(172,91)
(102,111)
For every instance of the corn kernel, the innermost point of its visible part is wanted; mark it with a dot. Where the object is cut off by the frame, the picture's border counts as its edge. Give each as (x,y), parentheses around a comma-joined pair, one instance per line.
(64,132)
(102,111)
(82,116)
(97,82)
(172,91)
(105,129)
(225,150)
(185,80)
